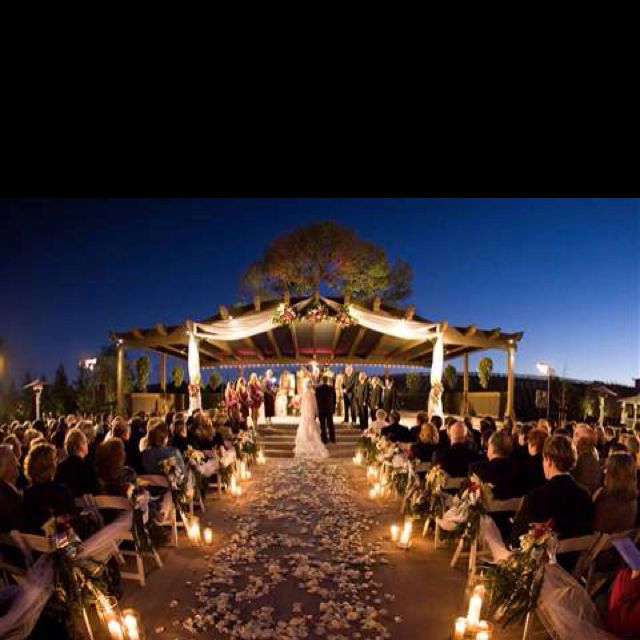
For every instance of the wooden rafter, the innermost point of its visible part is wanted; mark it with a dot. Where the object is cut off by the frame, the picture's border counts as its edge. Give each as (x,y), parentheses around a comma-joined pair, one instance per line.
(406,348)
(161,330)
(274,343)
(379,342)
(224,312)
(137,333)
(225,347)
(294,338)
(420,346)
(313,338)
(336,338)
(356,343)
(250,342)
(410,312)
(210,354)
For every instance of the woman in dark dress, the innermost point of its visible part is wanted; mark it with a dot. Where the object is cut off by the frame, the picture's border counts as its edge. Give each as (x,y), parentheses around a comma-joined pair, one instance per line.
(269,390)
(44,498)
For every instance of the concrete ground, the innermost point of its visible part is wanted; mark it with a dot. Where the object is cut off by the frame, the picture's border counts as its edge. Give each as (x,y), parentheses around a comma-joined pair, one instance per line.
(429,595)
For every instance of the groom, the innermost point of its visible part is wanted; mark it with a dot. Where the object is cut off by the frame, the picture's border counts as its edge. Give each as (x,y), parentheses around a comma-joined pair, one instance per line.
(326,398)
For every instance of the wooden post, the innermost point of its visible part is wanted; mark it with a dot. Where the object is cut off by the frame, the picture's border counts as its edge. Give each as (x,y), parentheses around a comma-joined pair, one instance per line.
(465,391)
(120,406)
(163,372)
(511,357)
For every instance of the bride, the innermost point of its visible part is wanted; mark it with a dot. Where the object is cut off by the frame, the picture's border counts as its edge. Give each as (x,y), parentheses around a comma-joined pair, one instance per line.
(308,442)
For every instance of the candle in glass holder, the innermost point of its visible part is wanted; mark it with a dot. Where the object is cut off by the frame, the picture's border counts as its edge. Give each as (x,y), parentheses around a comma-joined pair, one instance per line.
(131,623)
(193,531)
(460,628)
(482,635)
(208,535)
(405,536)
(233,484)
(475,606)
(260,459)
(357,459)
(371,472)
(115,630)
(238,491)
(395,530)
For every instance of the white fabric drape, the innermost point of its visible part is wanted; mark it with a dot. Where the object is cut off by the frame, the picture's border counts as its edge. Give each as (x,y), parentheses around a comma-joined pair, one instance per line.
(434,407)
(397,327)
(237,329)
(193,363)
(31,596)
(564,607)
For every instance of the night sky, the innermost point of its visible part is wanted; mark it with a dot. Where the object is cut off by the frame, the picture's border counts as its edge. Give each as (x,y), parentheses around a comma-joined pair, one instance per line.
(566,272)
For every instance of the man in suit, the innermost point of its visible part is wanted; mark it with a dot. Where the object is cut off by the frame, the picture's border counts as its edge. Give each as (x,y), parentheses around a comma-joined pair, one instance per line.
(349,386)
(396,432)
(361,397)
(560,499)
(326,399)
(455,459)
(389,396)
(375,399)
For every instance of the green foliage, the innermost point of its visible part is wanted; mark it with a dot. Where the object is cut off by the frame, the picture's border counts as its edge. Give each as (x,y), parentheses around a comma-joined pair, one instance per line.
(215,380)
(177,376)
(105,374)
(587,406)
(143,371)
(85,391)
(450,377)
(331,254)
(485,369)
(369,449)
(412,382)
(62,399)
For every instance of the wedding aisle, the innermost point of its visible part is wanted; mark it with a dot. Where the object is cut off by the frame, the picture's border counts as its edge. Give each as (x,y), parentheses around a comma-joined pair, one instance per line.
(303,553)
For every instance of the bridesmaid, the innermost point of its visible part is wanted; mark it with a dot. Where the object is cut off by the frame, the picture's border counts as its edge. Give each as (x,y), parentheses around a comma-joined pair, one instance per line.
(255,398)
(243,400)
(231,401)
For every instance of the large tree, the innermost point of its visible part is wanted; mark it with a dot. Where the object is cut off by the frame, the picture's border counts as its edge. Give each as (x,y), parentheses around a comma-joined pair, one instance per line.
(329,254)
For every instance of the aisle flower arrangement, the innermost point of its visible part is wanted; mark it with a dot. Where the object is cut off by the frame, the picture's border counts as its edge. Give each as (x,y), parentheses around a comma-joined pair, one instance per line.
(177,483)
(463,517)
(368,445)
(147,535)
(514,583)
(194,459)
(428,502)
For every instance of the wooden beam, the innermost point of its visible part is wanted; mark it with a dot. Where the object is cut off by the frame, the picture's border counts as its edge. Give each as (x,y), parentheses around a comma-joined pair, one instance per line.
(256,303)
(470,330)
(377,303)
(357,341)
(211,354)
(379,342)
(251,344)
(224,312)
(407,347)
(410,312)
(479,339)
(161,330)
(294,337)
(494,333)
(313,338)
(347,298)
(274,344)
(150,342)
(336,339)
(223,346)
(138,334)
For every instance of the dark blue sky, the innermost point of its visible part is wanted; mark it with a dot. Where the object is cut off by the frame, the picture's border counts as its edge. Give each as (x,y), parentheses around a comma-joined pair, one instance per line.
(566,272)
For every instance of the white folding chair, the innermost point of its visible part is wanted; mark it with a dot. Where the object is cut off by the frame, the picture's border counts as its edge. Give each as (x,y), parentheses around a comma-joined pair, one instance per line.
(451,484)
(118,503)
(157,480)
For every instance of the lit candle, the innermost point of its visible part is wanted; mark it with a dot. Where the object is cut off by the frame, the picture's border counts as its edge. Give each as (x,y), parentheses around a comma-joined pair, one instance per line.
(475,606)
(461,627)
(260,459)
(482,635)
(239,491)
(194,531)
(233,485)
(371,472)
(208,535)
(394,532)
(115,629)
(131,623)
(357,459)
(405,537)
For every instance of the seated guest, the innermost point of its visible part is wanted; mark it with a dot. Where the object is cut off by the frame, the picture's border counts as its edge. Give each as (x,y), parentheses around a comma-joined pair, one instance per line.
(158,450)
(14,443)
(179,439)
(89,430)
(113,475)
(601,444)
(11,513)
(44,497)
(559,499)
(137,431)
(473,435)
(427,443)
(443,433)
(544,425)
(74,471)
(421,418)
(520,445)
(379,423)
(587,472)
(498,469)
(531,470)
(616,503)
(395,432)
(203,435)
(456,458)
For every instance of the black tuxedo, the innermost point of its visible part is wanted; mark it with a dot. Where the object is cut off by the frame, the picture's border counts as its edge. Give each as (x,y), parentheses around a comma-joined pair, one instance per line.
(389,398)
(501,473)
(11,513)
(455,459)
(562,500)
(349,387)
(326,399)
(375,400)
(78,475)
(396,432)
(361,398)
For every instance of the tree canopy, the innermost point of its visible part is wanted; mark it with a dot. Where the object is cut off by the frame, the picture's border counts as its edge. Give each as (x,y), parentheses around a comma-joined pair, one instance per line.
(331,255)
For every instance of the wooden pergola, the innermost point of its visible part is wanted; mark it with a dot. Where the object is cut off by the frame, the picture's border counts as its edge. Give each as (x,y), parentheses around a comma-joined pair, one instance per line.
(326,342)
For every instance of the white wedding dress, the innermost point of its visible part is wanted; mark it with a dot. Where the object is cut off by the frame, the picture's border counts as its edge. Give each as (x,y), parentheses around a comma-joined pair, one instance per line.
(308,441)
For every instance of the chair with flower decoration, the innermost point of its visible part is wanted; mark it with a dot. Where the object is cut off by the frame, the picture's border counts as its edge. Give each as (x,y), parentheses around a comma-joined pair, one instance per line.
(451,485)
(160,481)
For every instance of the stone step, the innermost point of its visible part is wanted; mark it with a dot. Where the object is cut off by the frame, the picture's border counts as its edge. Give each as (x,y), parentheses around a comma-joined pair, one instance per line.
(291,437)
(333,452)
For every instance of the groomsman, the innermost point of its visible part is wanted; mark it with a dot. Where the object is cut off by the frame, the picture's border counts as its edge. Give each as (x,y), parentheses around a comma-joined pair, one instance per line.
(326,399)
(349,386)
(389,396)
(362,393)
(375,401)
